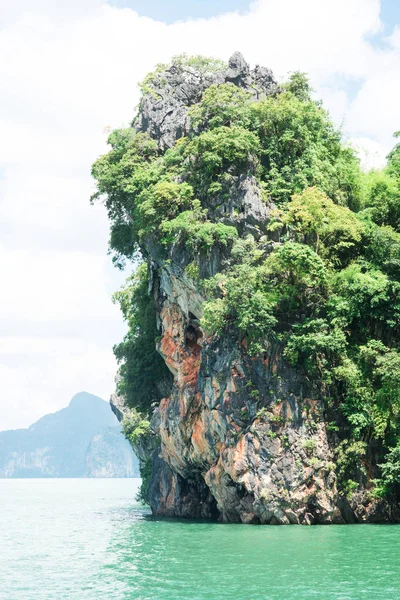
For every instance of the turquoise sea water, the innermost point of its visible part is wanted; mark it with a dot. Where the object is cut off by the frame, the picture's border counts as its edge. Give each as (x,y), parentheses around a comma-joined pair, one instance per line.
(80,539)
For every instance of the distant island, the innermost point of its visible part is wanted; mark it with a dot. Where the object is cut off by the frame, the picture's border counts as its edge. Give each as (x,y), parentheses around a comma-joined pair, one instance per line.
(82,440)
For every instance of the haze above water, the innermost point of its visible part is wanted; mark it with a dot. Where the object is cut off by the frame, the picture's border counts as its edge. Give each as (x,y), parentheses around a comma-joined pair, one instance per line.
(83,539)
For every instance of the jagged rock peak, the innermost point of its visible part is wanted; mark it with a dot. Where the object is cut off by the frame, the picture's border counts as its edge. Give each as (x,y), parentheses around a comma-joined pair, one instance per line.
(170,92)
(238,64)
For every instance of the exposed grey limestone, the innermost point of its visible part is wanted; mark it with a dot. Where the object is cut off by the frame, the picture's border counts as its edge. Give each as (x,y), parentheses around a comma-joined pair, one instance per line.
(164,112)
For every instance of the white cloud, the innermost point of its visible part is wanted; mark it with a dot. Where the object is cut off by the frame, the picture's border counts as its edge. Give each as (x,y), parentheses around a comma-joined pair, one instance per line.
(46,286)
(10,10)
(370,152)
(68,70)
(47,373)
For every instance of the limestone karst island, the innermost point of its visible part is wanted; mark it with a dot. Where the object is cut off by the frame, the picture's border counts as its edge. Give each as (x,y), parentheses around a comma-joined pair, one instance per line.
(200,300)
(259,380)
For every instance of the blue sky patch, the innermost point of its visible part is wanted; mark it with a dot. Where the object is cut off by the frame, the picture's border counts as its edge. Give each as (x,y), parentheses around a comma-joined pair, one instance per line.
(390,14)
(390,17)
(170,12)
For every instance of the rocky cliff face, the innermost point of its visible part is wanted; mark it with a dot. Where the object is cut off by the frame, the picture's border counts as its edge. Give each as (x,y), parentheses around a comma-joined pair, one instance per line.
(220,456)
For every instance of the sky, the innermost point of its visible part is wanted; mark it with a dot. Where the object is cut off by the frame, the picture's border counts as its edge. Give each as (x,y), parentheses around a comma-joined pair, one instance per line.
(169,12)
(68,74)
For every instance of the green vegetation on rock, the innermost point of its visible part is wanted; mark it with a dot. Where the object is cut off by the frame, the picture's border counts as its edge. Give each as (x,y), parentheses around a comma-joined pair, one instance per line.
(137,430)
(144,375)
